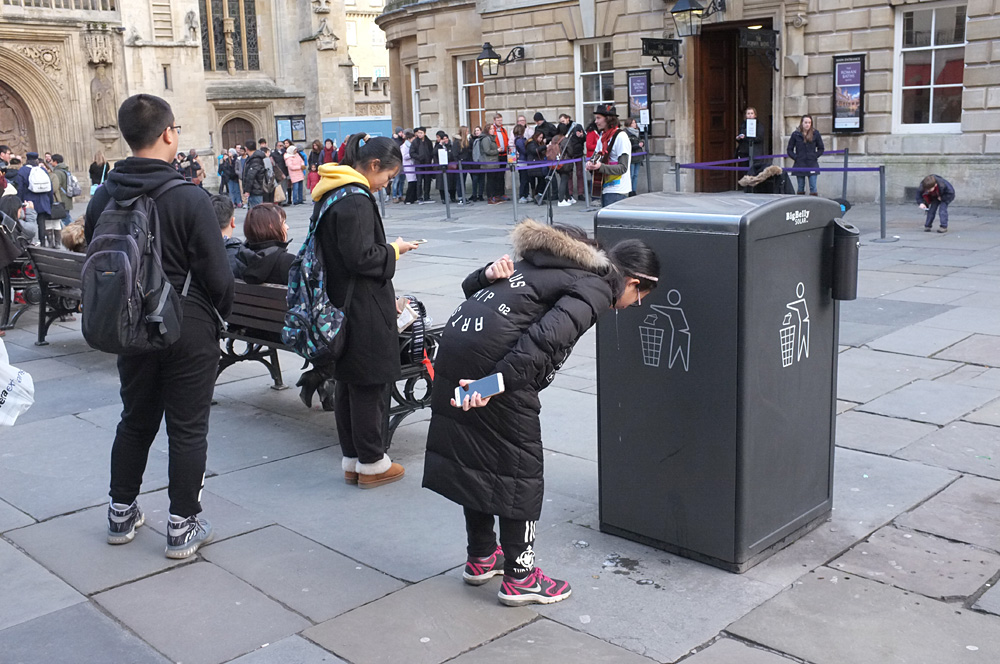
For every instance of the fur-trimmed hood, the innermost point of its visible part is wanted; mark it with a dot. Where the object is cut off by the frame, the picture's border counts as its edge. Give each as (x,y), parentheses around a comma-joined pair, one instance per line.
(754,180)
(529,236)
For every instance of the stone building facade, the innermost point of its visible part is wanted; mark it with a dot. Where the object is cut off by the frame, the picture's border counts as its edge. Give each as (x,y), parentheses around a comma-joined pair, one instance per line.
(930,97)
(233,70)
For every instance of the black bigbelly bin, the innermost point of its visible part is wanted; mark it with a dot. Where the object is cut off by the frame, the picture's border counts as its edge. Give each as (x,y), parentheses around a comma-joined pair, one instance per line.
(717,397)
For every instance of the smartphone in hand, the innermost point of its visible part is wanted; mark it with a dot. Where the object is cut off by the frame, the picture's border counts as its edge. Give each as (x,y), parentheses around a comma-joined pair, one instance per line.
(487,387)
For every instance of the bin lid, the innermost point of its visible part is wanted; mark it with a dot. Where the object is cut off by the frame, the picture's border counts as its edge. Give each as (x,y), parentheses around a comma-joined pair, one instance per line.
(720,213)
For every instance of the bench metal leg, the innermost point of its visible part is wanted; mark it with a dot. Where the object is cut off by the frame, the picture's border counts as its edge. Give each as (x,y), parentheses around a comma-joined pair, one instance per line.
(275,368)
(44,321)
(254,351)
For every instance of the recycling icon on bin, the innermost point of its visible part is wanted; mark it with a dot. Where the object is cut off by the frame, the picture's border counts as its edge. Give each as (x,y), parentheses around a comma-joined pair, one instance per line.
(794,332)
(670,329)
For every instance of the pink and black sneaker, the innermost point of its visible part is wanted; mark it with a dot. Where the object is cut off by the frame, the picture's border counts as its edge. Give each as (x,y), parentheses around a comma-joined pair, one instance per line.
(536,588)
(480,570)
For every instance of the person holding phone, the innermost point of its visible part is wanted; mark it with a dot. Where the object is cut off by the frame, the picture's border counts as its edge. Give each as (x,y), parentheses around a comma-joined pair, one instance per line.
(521,320)
(360,264)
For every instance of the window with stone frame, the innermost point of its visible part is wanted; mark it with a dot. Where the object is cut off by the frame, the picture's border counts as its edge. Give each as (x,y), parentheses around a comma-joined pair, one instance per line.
(471,94)
(595,76)
(352,33)
(930,64)
(241,44)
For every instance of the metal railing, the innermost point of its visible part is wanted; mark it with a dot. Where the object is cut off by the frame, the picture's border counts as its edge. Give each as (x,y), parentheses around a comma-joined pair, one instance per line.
(78,5)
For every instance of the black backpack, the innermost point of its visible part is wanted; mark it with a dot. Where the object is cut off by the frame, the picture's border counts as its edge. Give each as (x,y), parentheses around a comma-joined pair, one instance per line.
(129,305)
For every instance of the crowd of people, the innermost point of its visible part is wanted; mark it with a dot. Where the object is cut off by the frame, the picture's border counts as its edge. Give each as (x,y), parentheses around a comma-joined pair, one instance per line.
(486,152)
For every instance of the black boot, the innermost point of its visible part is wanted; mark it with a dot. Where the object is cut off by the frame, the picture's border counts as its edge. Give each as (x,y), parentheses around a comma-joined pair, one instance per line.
(309,381)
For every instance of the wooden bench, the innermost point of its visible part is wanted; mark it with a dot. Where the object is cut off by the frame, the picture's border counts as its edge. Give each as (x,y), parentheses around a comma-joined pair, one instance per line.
(58,273)
(255,334)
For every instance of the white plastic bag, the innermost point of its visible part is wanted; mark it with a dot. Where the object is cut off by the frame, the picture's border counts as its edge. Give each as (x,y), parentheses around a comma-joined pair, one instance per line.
(17,391)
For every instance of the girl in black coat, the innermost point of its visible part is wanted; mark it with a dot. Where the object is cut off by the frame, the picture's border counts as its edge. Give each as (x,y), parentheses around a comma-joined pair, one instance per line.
(806,147)
(360,264)
(521,320)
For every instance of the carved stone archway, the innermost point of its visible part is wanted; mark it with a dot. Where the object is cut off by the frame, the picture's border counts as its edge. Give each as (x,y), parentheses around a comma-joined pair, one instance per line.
(248,114)
(41,100)
(17,127)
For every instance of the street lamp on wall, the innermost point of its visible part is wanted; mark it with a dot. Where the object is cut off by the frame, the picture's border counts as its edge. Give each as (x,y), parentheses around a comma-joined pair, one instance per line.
(489,60)
(689,14)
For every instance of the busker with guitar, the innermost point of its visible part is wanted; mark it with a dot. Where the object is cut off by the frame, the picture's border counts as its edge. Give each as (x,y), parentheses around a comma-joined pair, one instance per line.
(610,163)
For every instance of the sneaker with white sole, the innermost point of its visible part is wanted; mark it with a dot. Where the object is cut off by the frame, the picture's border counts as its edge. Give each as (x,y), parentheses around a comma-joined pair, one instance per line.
(536,588)
(480,570)
(123,522)
(186,537)
(564,203)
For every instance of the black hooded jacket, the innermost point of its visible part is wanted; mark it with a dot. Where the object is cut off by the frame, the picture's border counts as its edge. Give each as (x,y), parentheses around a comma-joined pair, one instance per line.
(268,263)
(189,233)
(490,458)
(254,172)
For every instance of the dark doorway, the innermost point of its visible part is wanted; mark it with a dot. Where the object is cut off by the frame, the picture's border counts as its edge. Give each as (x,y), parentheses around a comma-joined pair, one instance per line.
(728,80)
(238,132)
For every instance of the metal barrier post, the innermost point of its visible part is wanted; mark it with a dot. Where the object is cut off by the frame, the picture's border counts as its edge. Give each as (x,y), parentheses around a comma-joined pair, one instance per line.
(648,165)
(677,177)
(447,196)
(846,153)
(381,201)
(461,183)
(881,204)
(586,185)
(513,179)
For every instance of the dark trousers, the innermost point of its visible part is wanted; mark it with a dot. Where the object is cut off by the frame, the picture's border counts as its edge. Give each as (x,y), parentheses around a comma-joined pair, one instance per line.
(478,185)
(177,381)
(495,185)
(937,207)
(516,540)
(362,420)
(411,192)
(425,184)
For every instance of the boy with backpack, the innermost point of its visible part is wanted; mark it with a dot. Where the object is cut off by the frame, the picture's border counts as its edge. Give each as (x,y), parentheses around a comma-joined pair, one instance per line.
(34,184)
(168,363)
(66,187)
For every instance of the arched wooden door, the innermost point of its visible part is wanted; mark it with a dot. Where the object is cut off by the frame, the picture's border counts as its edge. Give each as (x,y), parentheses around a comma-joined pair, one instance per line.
(17,129)
(238,131)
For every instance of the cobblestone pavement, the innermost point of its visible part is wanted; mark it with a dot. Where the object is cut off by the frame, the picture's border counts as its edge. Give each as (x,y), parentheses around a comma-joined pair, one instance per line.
(306,569)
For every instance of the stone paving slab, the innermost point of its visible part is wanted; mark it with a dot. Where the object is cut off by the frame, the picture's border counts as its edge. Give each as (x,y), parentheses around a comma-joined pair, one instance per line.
(729,651)
(571,476)
(48,368)
(834,618)
(878,434)
(978,349)
(917,340)
(967,511)
(95,565)
(990,379)
(988,414)
(878,284)
(930,401)
(301,574)
(200,614)
(227,518)
(865,374)
(308,495)
(859,334)
(80,634)
(290,650)
(11,517)
(989,601)
(684,603)
(28,590)
(921,563)
(980,320)
(869,491)
(886,311)
(569,422)
(917,268)
(426,623)
(77,461)
(547,641)
(64,397)
(929,295)
(972,448)
(979,300)
(968,281)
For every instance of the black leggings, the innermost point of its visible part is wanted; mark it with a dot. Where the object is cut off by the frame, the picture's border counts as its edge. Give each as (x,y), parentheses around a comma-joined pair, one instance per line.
(516,539)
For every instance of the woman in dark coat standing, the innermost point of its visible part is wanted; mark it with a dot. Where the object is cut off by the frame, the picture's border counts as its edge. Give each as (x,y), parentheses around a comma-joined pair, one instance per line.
(521,320)
(360,262)
(806,147)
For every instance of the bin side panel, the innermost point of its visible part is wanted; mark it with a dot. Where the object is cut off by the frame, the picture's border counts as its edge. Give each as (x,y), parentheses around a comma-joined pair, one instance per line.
(788,358)
(667,399)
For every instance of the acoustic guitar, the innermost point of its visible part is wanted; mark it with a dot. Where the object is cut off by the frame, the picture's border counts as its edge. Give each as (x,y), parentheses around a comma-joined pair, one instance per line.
(602,155)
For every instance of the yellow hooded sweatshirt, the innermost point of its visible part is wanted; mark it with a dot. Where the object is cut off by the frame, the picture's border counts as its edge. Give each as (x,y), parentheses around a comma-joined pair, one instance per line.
(332,176)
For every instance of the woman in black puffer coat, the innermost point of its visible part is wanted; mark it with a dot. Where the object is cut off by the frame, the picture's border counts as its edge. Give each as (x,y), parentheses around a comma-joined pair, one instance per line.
(520,320)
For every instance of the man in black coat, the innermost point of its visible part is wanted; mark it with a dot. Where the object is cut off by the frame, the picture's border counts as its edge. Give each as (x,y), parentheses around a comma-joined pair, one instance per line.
(179,380)
(422,152)
(544,127)
(254,172)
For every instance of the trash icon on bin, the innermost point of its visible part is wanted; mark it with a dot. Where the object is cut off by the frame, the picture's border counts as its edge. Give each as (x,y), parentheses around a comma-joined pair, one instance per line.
(794,333)
(652,335)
